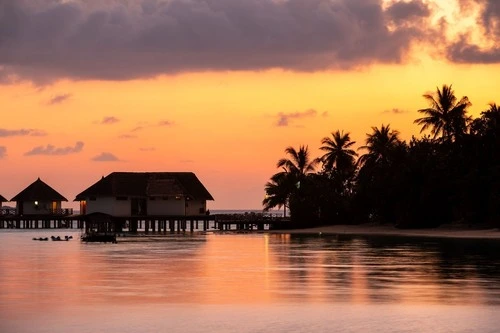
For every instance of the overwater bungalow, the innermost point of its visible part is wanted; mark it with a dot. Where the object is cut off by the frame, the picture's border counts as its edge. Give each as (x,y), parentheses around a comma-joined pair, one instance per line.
(162,200)
(40,199)
(146,194)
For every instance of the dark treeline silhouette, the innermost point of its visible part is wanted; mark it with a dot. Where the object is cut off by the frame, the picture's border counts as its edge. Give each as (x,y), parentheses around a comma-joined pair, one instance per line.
(451,175)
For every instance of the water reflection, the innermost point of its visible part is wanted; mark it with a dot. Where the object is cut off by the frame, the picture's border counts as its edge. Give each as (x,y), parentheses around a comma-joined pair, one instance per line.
(247,269)
(390,269)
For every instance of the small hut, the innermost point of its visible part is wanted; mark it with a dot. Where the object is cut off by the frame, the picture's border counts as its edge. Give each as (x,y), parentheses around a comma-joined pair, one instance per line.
(39,199)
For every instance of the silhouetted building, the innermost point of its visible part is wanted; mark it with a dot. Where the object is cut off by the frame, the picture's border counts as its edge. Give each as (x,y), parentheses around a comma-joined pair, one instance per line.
(145,194)
(39,199)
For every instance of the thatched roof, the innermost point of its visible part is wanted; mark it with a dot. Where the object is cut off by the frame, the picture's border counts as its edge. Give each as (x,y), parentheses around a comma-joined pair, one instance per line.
(2,198)
(38,190)
(148,184)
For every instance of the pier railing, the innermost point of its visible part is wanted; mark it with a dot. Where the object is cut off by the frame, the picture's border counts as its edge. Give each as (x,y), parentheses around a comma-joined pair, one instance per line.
(62,211)
(7,211)
(57,212)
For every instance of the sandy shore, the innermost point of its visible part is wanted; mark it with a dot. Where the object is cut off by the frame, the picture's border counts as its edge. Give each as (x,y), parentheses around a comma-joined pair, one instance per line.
(452,231)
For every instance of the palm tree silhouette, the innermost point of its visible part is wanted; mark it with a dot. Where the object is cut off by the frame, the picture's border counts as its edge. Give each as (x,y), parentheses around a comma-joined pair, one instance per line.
(299,164)
(284,184)
(278,190)
(446,116)
(338,153)
(380,145)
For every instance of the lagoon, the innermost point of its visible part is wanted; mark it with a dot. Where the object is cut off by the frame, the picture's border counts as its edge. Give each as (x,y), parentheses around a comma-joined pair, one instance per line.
(253,282)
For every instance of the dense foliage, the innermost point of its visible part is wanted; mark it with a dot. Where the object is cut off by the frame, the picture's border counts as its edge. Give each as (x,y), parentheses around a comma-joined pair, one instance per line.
(450,176)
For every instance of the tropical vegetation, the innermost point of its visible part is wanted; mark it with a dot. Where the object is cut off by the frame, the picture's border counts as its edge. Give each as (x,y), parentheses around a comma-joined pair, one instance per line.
(449,175)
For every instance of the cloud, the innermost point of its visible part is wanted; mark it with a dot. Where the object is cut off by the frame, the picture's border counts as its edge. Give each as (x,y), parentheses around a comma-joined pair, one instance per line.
(395,111)
(401,11)
(105,157)
(53,151)
(47,40)
(147,149)
(166,123)
(137,129)
(463,51)
(284,119)
(469,49)
(127,136)
(3,152)
(58,99)
(109,120)
(21,132)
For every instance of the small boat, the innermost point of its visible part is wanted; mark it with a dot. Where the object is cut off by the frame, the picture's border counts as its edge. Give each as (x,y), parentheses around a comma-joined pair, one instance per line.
(41,239)
(99,238)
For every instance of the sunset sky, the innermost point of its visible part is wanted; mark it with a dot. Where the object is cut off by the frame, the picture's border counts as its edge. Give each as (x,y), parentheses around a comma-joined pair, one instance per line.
(222,87)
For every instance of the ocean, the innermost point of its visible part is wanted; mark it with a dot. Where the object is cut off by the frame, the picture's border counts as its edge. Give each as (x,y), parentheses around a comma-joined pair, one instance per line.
(249,282)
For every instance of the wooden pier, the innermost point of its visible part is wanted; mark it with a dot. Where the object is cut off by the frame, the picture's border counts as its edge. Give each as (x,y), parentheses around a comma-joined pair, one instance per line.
(100,222)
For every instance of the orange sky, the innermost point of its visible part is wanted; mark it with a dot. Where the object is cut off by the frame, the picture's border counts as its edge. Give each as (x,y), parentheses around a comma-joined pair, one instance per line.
(221,123)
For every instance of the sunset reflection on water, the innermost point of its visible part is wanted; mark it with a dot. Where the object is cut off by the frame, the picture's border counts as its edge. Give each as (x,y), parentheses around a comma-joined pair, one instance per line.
(241,270)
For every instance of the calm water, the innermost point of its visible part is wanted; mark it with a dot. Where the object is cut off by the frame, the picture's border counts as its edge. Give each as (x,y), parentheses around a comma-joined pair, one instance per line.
(248,283)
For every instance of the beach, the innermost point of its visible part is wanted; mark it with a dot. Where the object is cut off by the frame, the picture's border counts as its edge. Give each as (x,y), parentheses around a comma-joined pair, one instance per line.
(448,231)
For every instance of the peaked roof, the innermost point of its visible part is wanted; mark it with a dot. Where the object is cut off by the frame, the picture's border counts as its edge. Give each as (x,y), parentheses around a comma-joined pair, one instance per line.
(152,184)
(2,198)
(38,190)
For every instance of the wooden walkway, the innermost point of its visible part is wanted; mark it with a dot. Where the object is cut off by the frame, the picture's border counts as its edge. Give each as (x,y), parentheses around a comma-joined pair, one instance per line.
(154,224)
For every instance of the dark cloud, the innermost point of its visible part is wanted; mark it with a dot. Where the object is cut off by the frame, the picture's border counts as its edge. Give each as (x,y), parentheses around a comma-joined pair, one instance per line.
(284,119)
(404,11)
(3,152)
(105,157)
(109,120)
(21,132)
(52,150)
(45,40)
(464,52)
(58,99)
(465,49)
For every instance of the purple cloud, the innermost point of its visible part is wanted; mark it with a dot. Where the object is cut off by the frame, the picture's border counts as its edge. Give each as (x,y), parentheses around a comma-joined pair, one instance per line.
(47,40)
(54,151)
(166,123)
(105,157)
(109,120)
(21,132)
(58,99)
(284,119)
(127,136)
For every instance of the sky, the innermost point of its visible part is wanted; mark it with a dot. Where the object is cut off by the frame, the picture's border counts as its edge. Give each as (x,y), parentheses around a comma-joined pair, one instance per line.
(222,87)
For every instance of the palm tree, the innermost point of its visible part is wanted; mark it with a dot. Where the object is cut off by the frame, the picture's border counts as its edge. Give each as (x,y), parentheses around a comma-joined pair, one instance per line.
(278,190)
(380,145)
(446,116)
(300,164)
(338,152)
(284,184)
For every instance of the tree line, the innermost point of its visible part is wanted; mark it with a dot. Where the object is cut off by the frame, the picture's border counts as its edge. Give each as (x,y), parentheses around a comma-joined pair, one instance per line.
(449,175)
